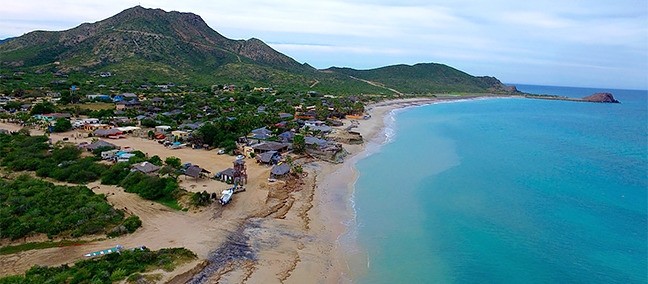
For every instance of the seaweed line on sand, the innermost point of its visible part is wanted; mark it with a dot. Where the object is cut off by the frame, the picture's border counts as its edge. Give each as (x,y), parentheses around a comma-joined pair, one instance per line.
(235,250)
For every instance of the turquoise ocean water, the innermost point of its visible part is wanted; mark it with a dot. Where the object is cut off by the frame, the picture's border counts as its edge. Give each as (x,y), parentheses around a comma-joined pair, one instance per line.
(508,191)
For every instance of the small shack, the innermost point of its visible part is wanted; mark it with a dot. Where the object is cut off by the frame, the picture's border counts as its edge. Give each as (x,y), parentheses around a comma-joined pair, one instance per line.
(196,172)
(287,137)
(270,146)
(162,129)
(226,176)
(107,132)
(260,134)
(314,142)
(268,158)
(123,156)
(280,170)
(180,135)
(100,144)
(145,168)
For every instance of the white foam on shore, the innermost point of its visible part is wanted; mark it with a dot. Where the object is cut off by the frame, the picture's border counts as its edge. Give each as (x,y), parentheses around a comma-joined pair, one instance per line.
(389,130)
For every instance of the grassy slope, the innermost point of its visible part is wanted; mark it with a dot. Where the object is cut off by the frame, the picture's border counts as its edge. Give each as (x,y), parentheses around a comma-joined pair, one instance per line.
(421,78)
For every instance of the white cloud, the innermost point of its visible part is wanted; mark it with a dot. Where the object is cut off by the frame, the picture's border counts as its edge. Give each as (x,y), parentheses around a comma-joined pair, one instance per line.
(471,34)
(535,19)
(364,50)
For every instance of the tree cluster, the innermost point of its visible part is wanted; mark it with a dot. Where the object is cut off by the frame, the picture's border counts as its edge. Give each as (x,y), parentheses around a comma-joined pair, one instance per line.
(42,108)
(34,206)
(62,125)
(109,268)
(201,198)
(75,171)
(146,186)
(115,174)
(33,153)
(150,187)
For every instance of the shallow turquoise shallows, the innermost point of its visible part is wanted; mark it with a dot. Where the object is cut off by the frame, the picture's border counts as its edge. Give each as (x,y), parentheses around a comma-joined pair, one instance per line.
(509,191)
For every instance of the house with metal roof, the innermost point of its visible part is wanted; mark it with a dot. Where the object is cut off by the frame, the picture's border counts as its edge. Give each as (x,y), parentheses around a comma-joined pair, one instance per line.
(260,134)
(270,146)
(226,175)
(145,168)
(99,144)
(106,132)
(287,137)
(196,172)
(280,170)
(269,158)
(315,142)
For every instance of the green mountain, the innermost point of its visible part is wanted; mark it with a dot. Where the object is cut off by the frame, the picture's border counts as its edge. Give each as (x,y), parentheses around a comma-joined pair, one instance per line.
(155,46)
(174,42)
(425,78)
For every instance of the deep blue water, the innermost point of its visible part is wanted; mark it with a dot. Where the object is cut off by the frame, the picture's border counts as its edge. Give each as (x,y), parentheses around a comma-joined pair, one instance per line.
(509,191)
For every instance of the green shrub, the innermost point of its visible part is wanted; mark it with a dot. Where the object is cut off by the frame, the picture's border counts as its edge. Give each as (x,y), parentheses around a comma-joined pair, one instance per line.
(34,206)
(155,160)
(132,223)
(115,174)
(150,187)
(173,162)
(129,264)
(201,198)
(62,125)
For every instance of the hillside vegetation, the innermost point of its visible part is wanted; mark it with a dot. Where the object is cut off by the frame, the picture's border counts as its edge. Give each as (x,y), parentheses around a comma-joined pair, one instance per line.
(151,46)
(426,78)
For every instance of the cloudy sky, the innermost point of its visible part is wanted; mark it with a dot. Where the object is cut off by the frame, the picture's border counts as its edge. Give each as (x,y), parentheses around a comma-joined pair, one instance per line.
(595,43)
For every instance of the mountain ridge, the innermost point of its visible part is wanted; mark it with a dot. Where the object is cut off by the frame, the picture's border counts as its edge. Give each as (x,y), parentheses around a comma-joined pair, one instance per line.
(141,42)
(144,33)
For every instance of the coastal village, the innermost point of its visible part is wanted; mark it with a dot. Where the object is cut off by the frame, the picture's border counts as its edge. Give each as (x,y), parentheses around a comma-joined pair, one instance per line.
(178,121)
(240,158)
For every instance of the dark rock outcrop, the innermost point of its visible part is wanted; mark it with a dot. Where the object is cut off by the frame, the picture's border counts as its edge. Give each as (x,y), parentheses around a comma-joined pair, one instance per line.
(601,98)
(511,89)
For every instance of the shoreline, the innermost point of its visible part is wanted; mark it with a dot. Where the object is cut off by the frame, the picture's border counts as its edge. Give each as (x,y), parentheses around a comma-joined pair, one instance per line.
(297,234)
(350,260)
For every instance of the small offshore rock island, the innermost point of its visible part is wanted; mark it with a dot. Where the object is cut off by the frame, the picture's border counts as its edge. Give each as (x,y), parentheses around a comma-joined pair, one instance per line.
(601,98)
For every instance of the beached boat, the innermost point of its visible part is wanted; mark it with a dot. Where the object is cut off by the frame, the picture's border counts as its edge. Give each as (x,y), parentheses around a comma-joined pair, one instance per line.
(226,196)
(114,249)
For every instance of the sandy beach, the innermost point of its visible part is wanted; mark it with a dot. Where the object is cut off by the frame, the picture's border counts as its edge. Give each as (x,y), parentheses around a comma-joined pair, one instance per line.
(279,232)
